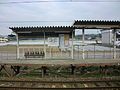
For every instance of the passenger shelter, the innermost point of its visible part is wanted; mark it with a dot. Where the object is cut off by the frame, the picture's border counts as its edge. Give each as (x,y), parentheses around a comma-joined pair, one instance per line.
(97,24)
(60,38)
(56,36)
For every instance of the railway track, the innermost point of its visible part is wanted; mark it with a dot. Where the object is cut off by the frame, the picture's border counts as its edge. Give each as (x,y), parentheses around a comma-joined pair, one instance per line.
(60,85)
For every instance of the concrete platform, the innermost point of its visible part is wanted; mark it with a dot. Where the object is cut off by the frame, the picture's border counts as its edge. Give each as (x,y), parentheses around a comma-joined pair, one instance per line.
(61,62)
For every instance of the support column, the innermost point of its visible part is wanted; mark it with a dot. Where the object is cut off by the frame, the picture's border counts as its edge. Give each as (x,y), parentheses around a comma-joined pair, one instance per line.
(16,70)
(83,39)
(50,51)
(23,52)
(17,50)
(78,52)
(72,53)
(44,45)
(114,44)
(44,70)
(72,69)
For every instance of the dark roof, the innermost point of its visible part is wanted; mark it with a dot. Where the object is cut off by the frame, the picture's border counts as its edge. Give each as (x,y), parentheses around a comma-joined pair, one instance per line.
(38,31)
(111,24)
(42,28)
(96,22)
(56,30)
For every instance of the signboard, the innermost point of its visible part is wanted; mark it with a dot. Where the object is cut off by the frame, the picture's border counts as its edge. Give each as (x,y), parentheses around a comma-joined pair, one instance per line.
(61,44)
(53,41)
(66,40)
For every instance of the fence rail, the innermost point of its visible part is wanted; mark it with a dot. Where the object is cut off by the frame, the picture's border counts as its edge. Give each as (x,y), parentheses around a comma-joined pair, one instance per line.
(90,52)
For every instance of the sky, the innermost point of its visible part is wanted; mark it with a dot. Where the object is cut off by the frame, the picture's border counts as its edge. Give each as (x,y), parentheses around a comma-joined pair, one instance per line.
(44,13)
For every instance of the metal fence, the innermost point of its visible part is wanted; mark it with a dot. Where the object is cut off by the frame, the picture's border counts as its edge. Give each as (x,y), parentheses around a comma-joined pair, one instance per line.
(90,52)
(7,52)
(95,52)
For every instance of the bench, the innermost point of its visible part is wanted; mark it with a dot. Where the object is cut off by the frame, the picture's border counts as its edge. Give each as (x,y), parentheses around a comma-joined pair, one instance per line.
(40,54)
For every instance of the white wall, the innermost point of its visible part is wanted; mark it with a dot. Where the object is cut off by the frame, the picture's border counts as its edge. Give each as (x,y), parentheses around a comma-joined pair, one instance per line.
(107,37)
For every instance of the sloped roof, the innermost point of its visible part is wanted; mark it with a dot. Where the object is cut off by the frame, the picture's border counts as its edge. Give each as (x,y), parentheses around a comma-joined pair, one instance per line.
(96,23)
(42,28)
(38,31)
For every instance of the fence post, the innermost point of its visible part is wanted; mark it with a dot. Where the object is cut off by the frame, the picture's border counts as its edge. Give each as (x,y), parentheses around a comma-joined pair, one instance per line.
(119,53)
(94,51)
(7,52)
(50,50)
(0,53)
(110,53)
(78,52)
(87,54)
(104,54)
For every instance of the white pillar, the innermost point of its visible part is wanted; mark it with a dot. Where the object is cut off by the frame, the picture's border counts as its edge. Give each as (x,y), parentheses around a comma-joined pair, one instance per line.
(23,52)
(44,45)
(114,45)
(72,53)
(83,39)
(17,37)
(78,51)
(50,51)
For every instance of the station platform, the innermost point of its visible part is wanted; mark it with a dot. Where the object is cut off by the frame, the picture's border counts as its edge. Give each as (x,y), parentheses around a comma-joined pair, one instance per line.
(37,62)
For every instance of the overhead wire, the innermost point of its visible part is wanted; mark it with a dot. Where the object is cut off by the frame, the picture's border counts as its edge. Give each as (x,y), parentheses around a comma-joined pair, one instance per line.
(40,1)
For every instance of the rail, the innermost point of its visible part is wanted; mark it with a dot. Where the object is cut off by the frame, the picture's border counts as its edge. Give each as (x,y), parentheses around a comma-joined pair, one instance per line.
(59,85)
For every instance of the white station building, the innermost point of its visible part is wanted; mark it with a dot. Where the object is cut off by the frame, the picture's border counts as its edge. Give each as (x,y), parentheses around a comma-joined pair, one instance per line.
(3,39)
(108,38)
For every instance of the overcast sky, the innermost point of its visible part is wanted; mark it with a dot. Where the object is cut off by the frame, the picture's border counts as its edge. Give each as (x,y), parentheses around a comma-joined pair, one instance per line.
(19,14)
